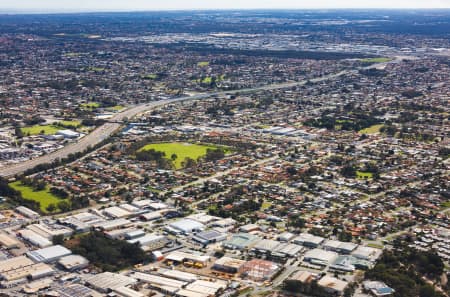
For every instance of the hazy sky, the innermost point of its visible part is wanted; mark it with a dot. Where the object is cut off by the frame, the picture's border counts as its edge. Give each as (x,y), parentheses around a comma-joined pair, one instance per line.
(129,5)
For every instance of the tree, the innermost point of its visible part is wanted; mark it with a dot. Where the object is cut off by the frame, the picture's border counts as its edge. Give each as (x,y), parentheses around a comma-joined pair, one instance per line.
(173,157)
(348,171)
(58,239)
(18,132)
(51,207)
(188,163)
(64,205)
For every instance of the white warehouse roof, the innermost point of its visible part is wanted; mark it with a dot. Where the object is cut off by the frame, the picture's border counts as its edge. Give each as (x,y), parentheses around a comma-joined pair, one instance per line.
(49,254)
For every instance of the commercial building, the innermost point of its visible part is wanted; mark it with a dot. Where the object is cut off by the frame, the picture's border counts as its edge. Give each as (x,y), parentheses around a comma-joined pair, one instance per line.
(179,275)
(73,262)
(320,257)
(265,246)
(259,270)
(285,236)
(27,212)
(77,290)
(181,257)
(164,284)
(112,224)
(308,240)
(18,268)
(116,212)
(34,238)
(15,263)
(185,226)
(367,253)
(210,236)
(378,289)
(207,287)
(228,265)
(287,250)
(49,254)
(241,241)
(339,246)
(349,263)
(50,231)
(151,242)
(8,242)
(82,222)
(127,292)
(151,216)
(68,134)
(107,281)
(332,285)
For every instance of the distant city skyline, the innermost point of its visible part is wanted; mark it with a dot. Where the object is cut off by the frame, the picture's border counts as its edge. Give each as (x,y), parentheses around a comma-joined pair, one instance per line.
(144,5)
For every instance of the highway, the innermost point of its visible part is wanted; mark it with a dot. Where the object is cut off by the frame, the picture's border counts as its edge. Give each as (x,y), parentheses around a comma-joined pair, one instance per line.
(104,131)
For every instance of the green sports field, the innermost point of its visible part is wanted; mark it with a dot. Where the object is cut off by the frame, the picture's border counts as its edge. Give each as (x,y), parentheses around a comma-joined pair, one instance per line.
(376,60)
(44,197)
(41,129)
(364,175)
(372,129)
(49,129)
(182,150)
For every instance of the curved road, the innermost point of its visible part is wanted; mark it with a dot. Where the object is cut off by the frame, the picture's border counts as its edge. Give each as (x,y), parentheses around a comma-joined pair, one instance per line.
(104,131)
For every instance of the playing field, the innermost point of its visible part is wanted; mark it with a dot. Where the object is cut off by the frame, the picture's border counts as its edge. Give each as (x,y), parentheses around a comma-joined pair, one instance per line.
(182,150)
(41,129)
(49,129)
(376,60)
(372,129)
(90,105)
(69,123)
(116,108)
(365,175)
(203,64)
(44,197)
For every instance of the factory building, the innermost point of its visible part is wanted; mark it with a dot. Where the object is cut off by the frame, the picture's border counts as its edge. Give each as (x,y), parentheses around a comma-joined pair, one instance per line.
(49,254)
(185,226)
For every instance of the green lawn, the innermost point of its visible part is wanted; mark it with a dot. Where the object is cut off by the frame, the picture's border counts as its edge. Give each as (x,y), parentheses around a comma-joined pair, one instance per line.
(38,129)
(149,76)
(446,204)
(182,150)
(44,197)
(90,105)
(207,80)
(203,64)
(372,129)
(365,175)
(116,108)
(376,60)
(266,205)
(375,245)
(49,129)
(96,69)
(74,123)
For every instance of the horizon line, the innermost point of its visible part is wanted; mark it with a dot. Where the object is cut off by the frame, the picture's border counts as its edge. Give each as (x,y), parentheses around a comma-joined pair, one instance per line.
(88,11)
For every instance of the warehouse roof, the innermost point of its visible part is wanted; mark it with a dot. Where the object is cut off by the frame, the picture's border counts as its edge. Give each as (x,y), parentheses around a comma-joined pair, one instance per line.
(14,263)
(158,281)
(49,254)
(332,283)
(241,241)
(72,261)
(109,280)
(306,238)
(321,256)
(187,225)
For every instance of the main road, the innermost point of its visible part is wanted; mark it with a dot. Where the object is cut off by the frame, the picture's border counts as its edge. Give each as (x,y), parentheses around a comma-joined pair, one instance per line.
(114,123)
